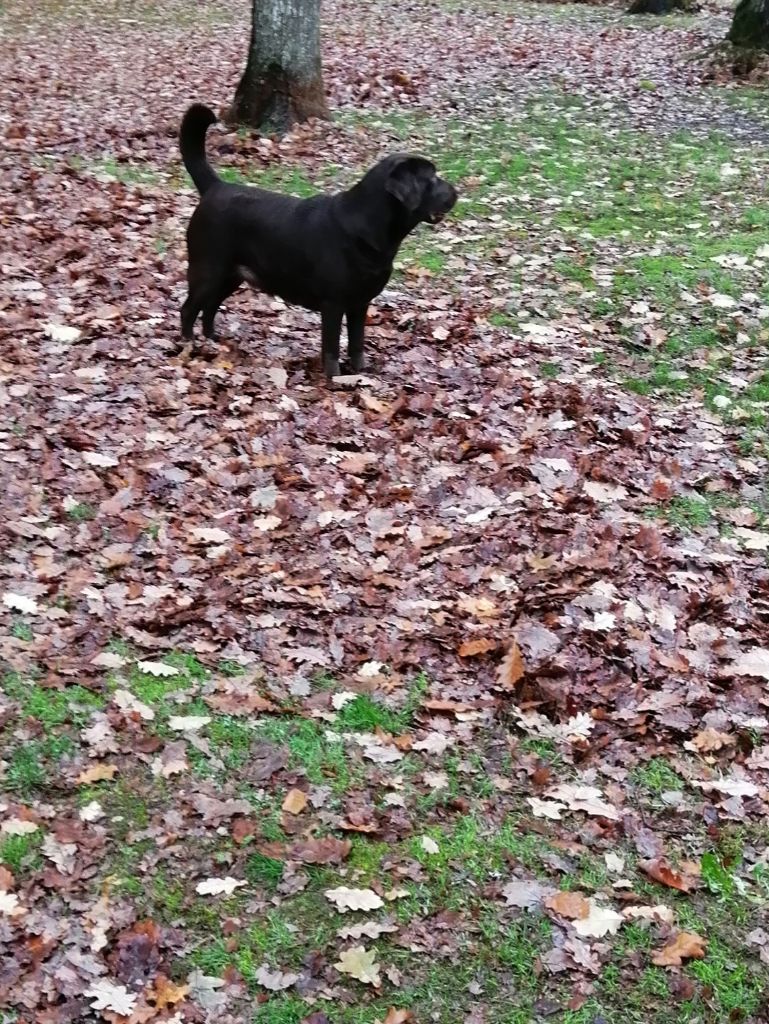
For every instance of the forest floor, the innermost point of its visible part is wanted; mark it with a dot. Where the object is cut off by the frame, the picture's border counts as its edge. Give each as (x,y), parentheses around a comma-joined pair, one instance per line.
(440,695)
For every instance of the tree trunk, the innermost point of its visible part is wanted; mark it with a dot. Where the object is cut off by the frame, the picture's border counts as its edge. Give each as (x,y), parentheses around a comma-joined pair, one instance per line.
(659,6)
(283,80)
(750,25)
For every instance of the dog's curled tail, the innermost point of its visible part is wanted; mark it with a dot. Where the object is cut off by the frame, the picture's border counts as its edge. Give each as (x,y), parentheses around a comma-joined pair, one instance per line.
(192,143)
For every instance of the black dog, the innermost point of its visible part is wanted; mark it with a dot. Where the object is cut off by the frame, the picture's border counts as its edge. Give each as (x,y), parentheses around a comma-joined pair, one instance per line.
(331,254)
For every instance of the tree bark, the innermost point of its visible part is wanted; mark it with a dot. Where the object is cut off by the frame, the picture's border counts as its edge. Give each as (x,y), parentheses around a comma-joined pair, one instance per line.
(283,80)
(659,6)
(750,25)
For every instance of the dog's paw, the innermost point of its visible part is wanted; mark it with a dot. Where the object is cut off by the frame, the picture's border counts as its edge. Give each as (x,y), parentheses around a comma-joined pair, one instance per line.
(330,367)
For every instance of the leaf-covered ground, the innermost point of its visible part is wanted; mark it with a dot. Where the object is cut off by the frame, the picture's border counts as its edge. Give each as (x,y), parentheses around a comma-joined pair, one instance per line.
(441,695)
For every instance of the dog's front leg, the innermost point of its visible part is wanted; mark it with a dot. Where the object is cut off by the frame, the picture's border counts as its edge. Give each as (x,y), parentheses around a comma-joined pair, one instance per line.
(356,327)
(331,328)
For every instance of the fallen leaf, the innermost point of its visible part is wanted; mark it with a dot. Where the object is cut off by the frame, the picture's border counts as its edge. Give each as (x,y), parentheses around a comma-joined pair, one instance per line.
(583,798)
(472,648)
(187,723)
(275,981)
(20,603)
(398,1016)
(685,946)
(752,663)
(709,740)
(571,905)
(429,845)
(327,850)
(599,921)
(108,996)
(512,669)
(662,872)
(525,894)
(353,899)
(545,808)
(218,886)
(295,801)
(360,964)
(166,993)
(157,668)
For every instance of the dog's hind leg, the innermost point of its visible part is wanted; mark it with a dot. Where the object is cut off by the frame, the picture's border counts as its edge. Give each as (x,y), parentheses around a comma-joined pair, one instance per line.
(215,296)
(356,326)
(190,310)
(331,328)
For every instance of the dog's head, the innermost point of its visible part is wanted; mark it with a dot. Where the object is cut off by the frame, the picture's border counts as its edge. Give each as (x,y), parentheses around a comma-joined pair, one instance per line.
(414,183)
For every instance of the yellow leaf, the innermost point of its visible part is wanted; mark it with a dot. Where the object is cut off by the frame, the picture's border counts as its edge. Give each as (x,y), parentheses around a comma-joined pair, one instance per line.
(295,801)
(97,773)
(360,963)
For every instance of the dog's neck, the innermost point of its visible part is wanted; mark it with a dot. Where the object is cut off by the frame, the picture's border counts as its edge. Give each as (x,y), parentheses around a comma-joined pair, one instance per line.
(381,225)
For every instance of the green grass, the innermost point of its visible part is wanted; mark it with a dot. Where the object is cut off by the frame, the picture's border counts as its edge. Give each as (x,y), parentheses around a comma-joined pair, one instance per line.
(656,777)
(21,853)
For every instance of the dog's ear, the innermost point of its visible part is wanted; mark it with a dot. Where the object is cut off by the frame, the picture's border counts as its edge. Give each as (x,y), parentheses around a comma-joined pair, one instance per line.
(406,183)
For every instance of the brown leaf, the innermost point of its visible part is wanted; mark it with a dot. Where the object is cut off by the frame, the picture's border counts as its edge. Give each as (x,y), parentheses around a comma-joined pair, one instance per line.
(472,648)
(240,703)
(512,669)
(685,946)
(709,740)
(398,1016)
(166,993)
(572,905)
(295,801)
(327,850)
(662,872)
(96,773)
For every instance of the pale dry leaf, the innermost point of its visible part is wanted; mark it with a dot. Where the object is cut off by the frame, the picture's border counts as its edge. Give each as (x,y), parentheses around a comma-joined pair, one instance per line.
(600,921)
(10,905)
(659,913)
(429,845)
(275,981)
(99,459)
(18,827)
(525,894)
(545,808)
(218,886)
(583,798)
(604,493)
(752,663)
(20,603)
(203,989)
(754,540)
(345,899)
(109,660)
(360,964)
(381,754)
(92,811)
(126,701)
(61,333)
(157,668)
(188,723)
(209,535)
(366,929)
(62,854)
(729,787)
(614,862)
(108,996)
(265,524)
(433,743)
